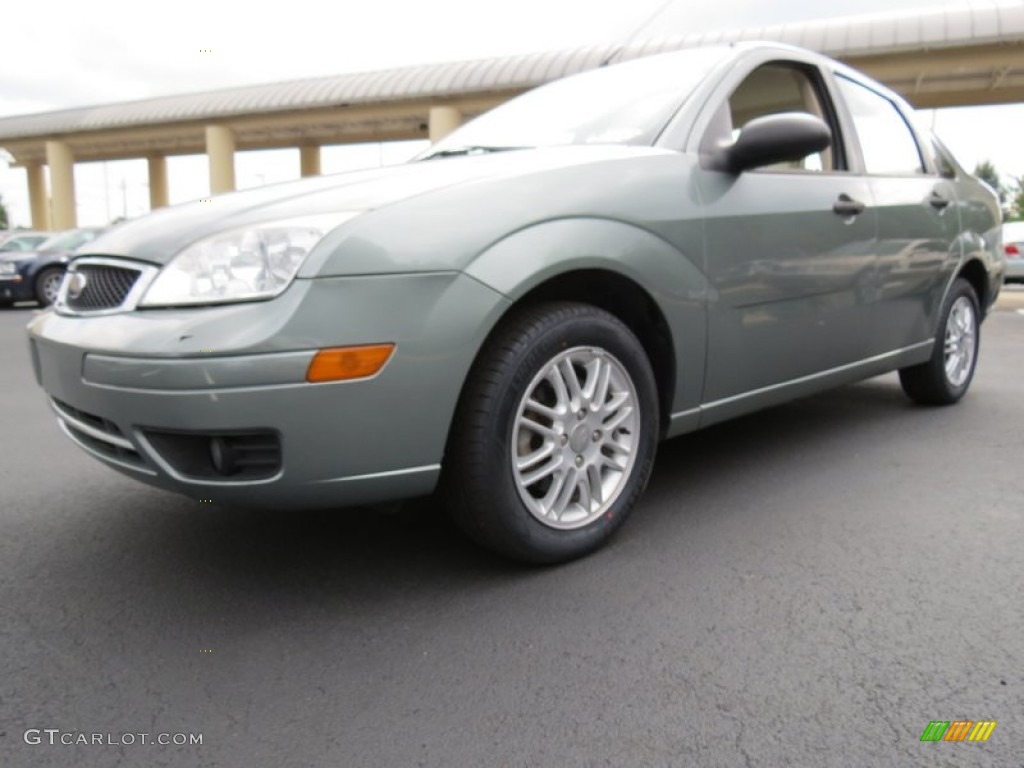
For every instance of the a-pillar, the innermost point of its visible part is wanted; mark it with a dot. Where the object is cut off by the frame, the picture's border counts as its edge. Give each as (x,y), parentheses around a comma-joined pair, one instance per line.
(220,150)
(309,160)
(158,196)
(442,121)
(37,198)
(62,184)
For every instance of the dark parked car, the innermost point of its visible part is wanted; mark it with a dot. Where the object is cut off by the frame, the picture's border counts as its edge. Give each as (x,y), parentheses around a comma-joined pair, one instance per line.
(27,275)
(518,316)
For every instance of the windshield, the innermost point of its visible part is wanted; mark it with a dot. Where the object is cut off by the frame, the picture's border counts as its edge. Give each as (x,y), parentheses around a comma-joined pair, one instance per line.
(623,104)
(68,241)
(21,243)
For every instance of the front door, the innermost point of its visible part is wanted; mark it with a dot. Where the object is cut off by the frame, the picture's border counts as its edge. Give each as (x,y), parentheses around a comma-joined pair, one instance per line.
(789,250)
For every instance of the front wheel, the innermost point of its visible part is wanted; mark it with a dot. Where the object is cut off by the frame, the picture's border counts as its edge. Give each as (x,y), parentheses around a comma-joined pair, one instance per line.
(555,434)
(944,379)
(48,285)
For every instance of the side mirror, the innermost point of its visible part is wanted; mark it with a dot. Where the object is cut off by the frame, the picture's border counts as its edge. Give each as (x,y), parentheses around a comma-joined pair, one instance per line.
(779,138)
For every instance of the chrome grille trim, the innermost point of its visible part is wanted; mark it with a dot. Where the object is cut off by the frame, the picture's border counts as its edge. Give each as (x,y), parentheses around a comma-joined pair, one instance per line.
(146,274)
(70,432)
(107,444)
(91,431)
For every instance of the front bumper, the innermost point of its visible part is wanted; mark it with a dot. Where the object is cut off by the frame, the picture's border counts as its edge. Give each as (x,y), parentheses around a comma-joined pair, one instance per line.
(15,288)
(141,390)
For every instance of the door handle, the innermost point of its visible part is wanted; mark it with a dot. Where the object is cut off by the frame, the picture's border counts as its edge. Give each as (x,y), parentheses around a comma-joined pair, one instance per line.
(847,206)
(938,202)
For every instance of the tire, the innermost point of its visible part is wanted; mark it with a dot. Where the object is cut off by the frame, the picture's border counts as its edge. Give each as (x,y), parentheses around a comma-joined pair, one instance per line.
(47,284)
(945,378)
(533,471)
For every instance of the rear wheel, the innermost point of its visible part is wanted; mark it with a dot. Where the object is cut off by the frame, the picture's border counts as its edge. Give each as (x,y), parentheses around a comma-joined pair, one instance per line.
(944,379)
(555,435)
(48,285)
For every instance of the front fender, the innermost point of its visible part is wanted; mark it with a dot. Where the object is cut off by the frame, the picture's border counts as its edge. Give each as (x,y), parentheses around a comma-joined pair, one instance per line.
(528,258)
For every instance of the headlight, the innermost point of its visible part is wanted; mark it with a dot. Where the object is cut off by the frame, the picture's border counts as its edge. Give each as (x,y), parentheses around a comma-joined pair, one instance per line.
(8,268)
(255,262)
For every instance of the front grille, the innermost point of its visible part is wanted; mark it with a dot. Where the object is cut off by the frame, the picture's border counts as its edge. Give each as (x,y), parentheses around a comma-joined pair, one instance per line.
(106,287)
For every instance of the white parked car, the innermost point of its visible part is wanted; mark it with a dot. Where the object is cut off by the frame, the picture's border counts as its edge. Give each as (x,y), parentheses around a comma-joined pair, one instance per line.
(1013,247)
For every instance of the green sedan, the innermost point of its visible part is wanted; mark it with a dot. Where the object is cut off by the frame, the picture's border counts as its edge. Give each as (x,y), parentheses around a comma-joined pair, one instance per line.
(518,316)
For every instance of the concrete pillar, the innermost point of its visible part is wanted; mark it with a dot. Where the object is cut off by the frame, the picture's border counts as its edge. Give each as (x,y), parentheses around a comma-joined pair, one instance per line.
(309,160)
(158,195)
(37,198)
(220,150)
(442,121)
(62,184)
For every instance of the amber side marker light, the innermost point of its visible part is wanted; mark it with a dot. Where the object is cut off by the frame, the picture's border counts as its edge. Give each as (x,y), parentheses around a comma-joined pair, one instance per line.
(341,363)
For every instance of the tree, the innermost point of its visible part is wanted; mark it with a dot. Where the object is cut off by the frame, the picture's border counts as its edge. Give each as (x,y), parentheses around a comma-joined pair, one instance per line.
(1017,198)
(988,173)
(4,223)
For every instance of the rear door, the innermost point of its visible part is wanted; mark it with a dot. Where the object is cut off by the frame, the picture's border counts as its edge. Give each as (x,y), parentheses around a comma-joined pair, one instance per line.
(918,219)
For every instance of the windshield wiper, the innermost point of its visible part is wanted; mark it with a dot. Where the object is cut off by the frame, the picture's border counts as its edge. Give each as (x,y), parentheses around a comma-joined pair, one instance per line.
(476,149)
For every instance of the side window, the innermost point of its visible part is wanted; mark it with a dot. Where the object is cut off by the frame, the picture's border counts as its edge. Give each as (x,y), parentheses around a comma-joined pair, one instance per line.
(943,161)
(886,140)
(769,90)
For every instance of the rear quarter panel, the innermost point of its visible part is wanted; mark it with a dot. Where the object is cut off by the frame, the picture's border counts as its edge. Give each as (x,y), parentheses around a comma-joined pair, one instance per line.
(980,235)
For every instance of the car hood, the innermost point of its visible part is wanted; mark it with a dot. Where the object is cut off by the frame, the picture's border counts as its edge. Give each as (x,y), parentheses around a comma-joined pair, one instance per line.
(161,235)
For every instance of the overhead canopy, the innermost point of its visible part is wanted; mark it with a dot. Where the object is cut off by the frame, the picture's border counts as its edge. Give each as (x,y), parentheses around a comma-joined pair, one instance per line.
(945,56)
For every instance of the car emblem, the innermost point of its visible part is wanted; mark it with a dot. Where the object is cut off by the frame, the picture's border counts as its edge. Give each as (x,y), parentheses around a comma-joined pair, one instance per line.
(76,284)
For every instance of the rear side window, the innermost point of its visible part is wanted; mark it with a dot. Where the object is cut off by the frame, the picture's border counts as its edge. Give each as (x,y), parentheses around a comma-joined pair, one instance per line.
(888,144)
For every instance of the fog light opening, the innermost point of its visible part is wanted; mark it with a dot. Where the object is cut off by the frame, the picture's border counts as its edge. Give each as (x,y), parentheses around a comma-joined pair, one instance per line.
(224,456)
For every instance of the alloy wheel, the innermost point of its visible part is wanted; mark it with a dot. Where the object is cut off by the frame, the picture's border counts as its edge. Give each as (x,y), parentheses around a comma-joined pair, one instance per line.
(575,436)
(960,341)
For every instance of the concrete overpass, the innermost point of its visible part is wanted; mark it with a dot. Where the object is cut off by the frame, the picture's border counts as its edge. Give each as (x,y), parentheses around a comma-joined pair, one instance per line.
(961,55)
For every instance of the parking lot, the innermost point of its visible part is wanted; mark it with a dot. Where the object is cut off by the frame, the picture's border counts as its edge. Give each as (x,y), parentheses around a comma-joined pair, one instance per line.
(807,586)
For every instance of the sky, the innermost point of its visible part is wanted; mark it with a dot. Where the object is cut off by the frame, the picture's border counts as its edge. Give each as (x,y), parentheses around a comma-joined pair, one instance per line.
(61,54)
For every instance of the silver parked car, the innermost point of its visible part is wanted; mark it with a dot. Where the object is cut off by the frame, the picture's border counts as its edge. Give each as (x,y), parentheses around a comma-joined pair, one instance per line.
(518,316)
(1013,247)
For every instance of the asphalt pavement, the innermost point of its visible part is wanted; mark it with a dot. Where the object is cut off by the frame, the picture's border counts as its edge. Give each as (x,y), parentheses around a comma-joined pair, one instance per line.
(807,586)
